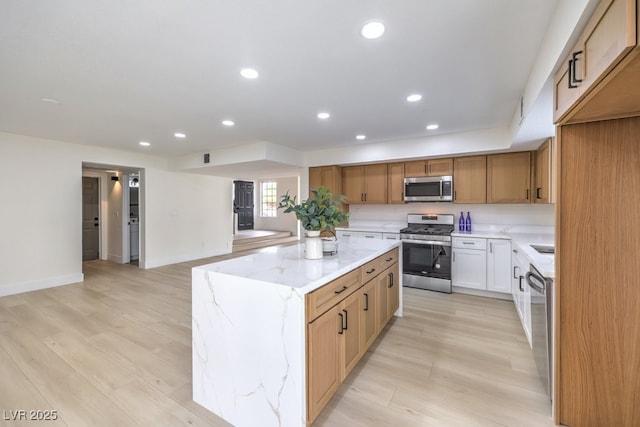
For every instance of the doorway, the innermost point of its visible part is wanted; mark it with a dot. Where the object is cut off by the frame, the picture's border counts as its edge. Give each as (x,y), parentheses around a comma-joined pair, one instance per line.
(243,204)
(90,218)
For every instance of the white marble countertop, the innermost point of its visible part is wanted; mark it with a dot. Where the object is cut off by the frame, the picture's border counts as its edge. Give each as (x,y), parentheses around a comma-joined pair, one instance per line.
(287,266)
(375,226)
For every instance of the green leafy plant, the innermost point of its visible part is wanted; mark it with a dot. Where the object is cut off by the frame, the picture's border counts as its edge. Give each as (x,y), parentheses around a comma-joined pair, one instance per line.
(318,212)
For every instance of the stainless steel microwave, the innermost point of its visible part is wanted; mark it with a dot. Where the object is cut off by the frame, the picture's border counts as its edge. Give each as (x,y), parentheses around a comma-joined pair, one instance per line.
(428,189)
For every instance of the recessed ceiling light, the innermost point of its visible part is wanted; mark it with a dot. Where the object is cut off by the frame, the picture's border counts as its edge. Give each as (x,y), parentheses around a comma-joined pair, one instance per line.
(50,101)
(179,135)
(145,143)
(372,30)
(249,73)
(432,127)
(414,97)
(361,137)
(228,122)
(324,116)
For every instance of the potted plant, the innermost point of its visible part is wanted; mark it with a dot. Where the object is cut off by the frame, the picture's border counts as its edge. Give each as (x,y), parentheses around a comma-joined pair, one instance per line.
(316,214)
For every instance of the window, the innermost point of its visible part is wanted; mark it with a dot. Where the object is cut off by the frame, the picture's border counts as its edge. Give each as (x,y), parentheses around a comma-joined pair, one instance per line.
(269,198)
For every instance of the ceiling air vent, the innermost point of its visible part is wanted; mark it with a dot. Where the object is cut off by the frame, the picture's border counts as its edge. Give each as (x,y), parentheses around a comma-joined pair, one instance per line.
(206,158)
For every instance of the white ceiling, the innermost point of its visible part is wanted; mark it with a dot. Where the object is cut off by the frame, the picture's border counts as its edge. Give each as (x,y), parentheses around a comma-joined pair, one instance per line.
(125,71)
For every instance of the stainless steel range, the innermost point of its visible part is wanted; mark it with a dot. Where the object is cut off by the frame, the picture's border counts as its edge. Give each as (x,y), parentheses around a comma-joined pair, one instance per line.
(426,252)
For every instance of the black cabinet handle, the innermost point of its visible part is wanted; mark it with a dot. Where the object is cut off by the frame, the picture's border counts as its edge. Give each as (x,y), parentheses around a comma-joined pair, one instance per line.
(520,283)
(527,194)
(390,280)
(514,270)
(344,288)
(388,259)
(571,78)
(346,320)
(341,331)
(366,302)
(538,193)
(370,271)
(574,59)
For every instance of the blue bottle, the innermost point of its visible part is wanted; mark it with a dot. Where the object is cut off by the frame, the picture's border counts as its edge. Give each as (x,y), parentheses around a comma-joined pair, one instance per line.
(467,225)
(461,223)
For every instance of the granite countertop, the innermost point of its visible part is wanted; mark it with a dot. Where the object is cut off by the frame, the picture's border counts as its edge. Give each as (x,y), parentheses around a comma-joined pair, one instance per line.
(286,266)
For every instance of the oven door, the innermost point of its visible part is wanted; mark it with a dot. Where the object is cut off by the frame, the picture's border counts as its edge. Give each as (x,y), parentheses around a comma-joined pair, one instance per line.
(427,264)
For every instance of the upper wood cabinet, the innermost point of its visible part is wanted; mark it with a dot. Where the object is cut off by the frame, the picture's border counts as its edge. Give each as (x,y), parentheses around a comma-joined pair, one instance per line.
(365,184)
(542,175)
(470,179)
(509,178)
(606,40)
(395,183)
(432,167)
(327,176)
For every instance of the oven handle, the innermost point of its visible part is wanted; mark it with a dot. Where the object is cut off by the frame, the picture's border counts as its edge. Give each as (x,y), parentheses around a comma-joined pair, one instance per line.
(427,242)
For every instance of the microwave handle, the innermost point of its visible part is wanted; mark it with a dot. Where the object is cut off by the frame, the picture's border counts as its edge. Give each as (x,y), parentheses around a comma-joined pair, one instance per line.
(441,188)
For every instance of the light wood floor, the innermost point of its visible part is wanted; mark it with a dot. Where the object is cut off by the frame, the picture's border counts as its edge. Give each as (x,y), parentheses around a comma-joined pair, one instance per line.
(116,351)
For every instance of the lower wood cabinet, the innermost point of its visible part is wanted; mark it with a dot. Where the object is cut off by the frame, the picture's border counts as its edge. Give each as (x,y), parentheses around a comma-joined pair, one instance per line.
(338,337)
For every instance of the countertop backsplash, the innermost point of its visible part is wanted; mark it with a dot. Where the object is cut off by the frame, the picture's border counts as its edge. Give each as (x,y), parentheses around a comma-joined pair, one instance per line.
(511,214)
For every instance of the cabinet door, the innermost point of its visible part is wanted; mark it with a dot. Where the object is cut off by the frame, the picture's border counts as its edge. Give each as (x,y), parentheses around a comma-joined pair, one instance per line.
(353,184)
(469,268)
(391,236)
(383,297)
(499,265)
(322,360)
(315,177)
(608,37)
(393,290)
(350,338)
(470,179)
(369,320)
(543,173)
(509,178)
(438,167)
(415,169)
(395,183)
(516,291)
(375,187)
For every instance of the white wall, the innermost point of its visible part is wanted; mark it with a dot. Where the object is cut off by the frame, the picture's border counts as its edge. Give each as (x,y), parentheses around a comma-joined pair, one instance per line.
(185,216)
(521,214)
(283,221)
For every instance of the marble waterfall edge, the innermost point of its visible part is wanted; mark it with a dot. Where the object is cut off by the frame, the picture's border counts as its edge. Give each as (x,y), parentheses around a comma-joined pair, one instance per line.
(248,350)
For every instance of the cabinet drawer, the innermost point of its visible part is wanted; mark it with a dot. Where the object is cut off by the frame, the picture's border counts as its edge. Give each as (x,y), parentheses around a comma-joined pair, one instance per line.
(469,243)
(322,299)
(376,266)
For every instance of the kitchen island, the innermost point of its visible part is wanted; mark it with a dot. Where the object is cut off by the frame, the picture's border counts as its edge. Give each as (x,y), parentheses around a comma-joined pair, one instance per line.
(251,322)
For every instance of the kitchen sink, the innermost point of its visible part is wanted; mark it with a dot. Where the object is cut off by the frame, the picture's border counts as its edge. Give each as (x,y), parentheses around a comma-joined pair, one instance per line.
(544,249)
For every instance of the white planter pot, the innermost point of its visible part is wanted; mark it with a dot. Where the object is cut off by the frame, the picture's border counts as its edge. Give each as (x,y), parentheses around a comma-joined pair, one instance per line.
(313,245)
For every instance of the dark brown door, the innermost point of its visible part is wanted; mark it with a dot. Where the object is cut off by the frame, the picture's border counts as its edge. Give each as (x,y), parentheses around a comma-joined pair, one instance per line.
(243,204)
(90,218)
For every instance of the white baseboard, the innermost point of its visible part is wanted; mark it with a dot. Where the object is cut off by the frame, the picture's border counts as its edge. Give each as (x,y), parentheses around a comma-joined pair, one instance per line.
(36,285)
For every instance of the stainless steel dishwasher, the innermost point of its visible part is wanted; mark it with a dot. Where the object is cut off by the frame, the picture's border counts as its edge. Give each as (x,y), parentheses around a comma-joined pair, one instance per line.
(541,289)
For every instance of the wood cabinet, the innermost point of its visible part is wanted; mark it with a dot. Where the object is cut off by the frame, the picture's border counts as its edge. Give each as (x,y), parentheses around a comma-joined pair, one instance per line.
(428,167)
(365,184)
(470,179)
(350,333)
(395,184)
(509,178)
(344,317)
(607,39)
(597,296)
(542,174)
(323,365)
(327,176)
(369,317)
